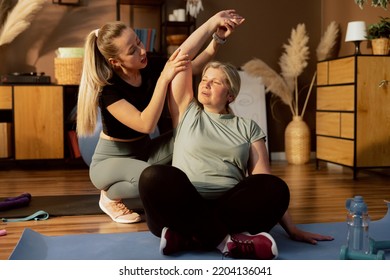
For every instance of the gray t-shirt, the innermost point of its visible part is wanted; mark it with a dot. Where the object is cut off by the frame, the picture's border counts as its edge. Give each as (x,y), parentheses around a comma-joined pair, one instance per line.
(213,149)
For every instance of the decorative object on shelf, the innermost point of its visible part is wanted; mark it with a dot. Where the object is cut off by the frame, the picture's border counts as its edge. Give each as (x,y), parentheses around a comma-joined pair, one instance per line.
(68,65)
(379,34)
(17,18)
(374,3)
(285,85)
(356,32)
(174,41)
(180,14)
(177,15)
(194,7)
(380,46)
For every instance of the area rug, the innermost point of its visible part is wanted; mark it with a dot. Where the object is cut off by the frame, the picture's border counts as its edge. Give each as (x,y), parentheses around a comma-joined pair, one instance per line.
(145,246)
(63,205)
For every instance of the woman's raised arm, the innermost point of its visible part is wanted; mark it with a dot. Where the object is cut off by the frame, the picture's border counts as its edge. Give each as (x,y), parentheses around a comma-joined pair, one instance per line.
(181,91)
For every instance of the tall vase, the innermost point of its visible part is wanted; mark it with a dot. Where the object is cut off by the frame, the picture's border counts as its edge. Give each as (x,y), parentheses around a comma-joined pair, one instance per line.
(297,141)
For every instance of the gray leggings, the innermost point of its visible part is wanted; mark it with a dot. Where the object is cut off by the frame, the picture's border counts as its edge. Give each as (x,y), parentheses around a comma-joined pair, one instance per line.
(116,166)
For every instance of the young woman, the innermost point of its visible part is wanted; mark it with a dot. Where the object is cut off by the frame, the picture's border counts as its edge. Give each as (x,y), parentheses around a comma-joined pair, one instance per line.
(130,94)
(219,193)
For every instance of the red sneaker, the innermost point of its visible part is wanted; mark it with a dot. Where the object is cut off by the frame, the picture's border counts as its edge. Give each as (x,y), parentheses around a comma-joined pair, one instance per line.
(172,242)
(259,247)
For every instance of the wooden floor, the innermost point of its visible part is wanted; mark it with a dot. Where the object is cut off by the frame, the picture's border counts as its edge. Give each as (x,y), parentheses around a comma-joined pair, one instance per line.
(316,196)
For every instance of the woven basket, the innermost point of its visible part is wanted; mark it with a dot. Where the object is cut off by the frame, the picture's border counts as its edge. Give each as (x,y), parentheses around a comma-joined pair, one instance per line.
(297,141)
(380,46)
(67,71)
(176,39)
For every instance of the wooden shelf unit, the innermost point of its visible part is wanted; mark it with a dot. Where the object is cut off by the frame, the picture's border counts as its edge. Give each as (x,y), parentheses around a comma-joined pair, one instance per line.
(353,111)
(166,27)
(135,3)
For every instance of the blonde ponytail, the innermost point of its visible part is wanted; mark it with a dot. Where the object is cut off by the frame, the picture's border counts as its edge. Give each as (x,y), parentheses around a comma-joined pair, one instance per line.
(99,47)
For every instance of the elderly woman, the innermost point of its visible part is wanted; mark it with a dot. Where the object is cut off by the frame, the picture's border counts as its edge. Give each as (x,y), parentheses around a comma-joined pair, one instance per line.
(219,193)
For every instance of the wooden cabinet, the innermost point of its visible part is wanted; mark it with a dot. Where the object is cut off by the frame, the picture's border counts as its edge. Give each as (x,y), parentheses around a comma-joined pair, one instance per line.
(38,122)
(35,120)
(353,111)
(5,121)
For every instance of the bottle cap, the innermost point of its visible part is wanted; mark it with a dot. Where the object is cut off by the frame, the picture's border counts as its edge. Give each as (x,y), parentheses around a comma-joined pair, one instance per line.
(356,205)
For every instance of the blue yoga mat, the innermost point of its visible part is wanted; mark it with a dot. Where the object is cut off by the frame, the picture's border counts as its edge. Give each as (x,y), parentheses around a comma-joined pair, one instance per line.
(145,246)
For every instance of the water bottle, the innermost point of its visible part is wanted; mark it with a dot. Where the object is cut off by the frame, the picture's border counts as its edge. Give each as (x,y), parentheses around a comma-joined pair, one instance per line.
(358,222)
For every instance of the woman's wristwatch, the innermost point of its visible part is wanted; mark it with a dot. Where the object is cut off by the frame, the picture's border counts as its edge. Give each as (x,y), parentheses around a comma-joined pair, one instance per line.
(218,40)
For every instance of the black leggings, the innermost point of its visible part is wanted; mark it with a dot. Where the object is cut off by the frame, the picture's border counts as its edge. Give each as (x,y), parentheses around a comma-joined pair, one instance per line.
(254,205)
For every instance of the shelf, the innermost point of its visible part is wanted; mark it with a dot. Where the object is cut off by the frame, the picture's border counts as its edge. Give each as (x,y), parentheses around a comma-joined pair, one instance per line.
(141,2)
(166,27)
(178,23)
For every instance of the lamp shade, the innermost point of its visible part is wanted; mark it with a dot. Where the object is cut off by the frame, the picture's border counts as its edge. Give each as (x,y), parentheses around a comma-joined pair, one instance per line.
(356,31)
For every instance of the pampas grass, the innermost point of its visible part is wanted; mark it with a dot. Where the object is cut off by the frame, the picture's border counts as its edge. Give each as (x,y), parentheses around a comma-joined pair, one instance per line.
(294,60)
(328,41)
(19,19)
(5,7)
(292,63)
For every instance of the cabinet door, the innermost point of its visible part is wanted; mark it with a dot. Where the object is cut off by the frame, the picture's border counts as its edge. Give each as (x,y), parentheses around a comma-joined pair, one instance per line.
(341,71)
(38,120)
(322,73)
(336,98)
(335,150)
(328,123)
(5,97)
(373,112)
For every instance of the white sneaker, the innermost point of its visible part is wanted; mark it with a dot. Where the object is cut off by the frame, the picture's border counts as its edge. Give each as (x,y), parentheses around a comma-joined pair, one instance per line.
(117,211)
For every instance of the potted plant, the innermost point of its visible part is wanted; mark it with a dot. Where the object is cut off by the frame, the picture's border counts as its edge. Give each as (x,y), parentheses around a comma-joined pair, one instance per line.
(379,34)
